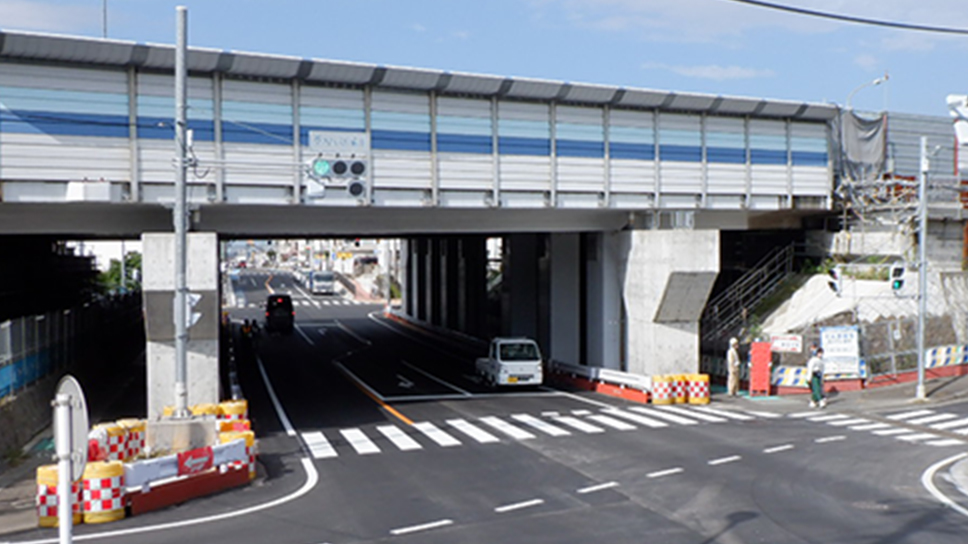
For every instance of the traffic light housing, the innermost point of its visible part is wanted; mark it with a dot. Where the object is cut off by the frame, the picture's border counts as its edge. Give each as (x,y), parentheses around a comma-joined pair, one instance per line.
(897,276)
(836,281)
(337,168)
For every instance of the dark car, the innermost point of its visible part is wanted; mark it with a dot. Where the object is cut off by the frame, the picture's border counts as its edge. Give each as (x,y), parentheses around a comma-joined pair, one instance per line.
(279,313)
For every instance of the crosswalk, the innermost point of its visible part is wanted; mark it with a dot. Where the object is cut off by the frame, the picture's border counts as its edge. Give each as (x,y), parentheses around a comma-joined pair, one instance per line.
(455,432)
(902,426)
(315,303)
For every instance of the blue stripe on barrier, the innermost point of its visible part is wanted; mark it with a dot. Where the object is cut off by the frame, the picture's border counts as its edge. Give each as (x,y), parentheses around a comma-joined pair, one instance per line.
(622,150)
(163,128)
(578,148)
(809,158)
(680,153)
(6,380)
(64,124)
(726,155)
(400,140)
(461,143)
(768,156)
(510,145)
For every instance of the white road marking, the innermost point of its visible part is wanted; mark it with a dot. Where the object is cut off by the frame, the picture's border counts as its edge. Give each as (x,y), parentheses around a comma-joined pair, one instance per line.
(927,480)
(507,428)
(421,527)
(930,419)
(472,431)
(399,438)
(870,427)
(436,379)
(826,439)
(960,431)
(846,422)
(319,447)
(828,417)
(599,487)
(641,420)
(767,415)
(303,334)
(518,505)
(908,415)
(550,414)
(437,435)
(916,437)
(951,424)
(541,425)
(946,442)
(350,332)
(581,412)
(664,415)
(892,432)
(667,472)
(360,442)
(803,414)
(690,413)
(612,422)
(777,449)
(576,423)
(725,413)
(724,460)
(283,418)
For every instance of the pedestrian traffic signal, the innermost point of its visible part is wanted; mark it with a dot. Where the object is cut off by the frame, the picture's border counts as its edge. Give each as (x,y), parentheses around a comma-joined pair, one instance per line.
(897,276)
(836,281)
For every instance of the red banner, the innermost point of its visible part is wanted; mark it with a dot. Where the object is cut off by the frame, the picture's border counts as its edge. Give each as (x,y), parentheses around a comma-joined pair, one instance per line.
(195,461)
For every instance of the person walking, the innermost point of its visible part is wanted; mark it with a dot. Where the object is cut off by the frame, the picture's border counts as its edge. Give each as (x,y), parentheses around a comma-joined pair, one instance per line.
(815,372)
(732,363)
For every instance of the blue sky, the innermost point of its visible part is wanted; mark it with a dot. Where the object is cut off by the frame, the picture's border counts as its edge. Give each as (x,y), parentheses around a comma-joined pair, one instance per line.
(710,46)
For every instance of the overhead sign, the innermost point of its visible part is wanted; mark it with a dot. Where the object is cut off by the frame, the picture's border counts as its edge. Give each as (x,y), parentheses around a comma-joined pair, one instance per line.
(339,142)
(787,343)
(841,350)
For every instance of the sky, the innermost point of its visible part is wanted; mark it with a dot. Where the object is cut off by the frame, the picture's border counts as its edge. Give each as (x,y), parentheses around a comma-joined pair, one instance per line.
(720,47)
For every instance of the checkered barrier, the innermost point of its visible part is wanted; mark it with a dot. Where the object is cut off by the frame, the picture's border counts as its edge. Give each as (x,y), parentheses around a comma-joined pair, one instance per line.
(662,389)
(250,447)
(116,444)
(698,389)
(233,410)
(102,492)
(135,433)
(47,477)
(946,356)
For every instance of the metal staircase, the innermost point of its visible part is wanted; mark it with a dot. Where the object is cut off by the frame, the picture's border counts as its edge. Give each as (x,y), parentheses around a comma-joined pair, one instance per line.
(730,309)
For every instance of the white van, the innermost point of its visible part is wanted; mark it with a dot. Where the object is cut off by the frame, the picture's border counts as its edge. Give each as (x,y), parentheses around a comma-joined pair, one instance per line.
(511,361)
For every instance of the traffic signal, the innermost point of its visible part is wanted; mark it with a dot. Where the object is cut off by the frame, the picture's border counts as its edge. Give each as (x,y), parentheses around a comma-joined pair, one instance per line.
(836,281)
(326,168)
(897,276)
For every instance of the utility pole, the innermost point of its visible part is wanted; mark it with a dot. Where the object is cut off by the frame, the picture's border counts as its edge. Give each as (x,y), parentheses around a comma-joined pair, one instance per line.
(922,260)
(179,213)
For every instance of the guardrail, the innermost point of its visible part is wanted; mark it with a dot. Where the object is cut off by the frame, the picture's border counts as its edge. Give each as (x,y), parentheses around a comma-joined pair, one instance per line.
(608,375)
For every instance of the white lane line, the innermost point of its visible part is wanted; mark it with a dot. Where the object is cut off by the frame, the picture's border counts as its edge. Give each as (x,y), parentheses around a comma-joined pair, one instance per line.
(599,487)
(576,423)
(540,425)
(951,424)
(581,412)
(801,415)
(690,413)
(767,415)
(917,437)
(305,337)
(946,442)
(550,414)
(360,442)
(870,427)
(435,378)
(930,419)
(847,422)
(908,415)
(399,438)
(892,432)
(518,506)
(927,480)
(828,417)
(283,418)
(350,332)
(826,439)
(724,413)
(319,447)
(667,472)
(507,428)
(641,420)
(421,527)
(777,449)
(664,415)
(472,431)
(960,431)
(349,373)
(435,434)
(724,460)
(612,422)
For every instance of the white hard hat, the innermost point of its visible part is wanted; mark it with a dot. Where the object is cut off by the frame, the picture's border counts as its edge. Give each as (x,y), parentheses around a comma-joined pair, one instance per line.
(733,341)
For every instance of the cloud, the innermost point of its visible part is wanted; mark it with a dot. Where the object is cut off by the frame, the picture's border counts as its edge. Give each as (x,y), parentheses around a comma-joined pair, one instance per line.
(867,61)
(417,27)
(460,34)
(712,71)
(47,16)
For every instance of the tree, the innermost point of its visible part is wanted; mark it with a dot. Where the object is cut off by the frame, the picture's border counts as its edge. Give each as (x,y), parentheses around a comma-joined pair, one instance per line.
(110,281)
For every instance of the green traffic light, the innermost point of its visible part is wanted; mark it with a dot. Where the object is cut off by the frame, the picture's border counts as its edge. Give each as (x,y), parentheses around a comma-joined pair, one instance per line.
(897,284)
(321,167)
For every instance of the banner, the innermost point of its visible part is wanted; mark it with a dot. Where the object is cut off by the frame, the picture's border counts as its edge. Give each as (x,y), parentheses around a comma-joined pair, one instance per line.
(841,350)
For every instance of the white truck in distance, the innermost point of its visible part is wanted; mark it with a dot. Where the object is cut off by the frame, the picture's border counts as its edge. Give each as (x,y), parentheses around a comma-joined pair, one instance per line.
(511,361)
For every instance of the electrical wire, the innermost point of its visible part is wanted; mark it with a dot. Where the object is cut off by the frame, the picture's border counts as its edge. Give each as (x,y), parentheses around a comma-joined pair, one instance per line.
(853,18)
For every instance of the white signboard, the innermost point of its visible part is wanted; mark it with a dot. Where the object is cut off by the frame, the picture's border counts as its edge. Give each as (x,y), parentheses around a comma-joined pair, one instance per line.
(841,350)
(339,142)
(787,343)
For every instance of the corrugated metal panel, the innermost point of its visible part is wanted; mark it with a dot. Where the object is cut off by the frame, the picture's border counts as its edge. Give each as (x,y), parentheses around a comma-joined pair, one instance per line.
(765,203)
(726,179)
(154,161)
(200,59)
(590,93)
(464,107)
(691,102)
(258,164)
(465,171)
(275,66)
(523,111)
(256,92)
(331,108)
(811,181)
(582,175)
(411,78)
(341,72)
(474,84)
(680,144)
(738,106)
(525,173)
(904,135)
(580,115)
(769,157)
(64,48)
(642,98)
(58,77)
(399,170)
(533,88)
(768,179)
(64,158)
(632,176)
(401,102)
(164,85)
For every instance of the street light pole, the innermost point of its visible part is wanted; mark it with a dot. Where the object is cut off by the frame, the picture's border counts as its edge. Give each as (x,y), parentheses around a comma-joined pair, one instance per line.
(874,83)
(922,260)
(179,213)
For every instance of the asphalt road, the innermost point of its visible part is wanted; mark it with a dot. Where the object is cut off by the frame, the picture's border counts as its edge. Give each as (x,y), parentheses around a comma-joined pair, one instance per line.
(387,437)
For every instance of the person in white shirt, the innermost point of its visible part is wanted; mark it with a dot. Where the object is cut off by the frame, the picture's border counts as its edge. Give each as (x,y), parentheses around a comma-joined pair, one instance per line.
(815,372)
(732,365)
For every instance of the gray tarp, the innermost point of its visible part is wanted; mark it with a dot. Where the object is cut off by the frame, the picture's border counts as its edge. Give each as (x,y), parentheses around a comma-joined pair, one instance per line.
(864,142)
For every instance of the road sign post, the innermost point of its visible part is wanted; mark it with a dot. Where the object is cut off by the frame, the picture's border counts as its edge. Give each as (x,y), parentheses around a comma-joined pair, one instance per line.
(70,436)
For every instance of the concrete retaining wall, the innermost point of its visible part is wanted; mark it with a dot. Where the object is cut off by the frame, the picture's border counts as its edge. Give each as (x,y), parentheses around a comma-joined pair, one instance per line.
(26,414)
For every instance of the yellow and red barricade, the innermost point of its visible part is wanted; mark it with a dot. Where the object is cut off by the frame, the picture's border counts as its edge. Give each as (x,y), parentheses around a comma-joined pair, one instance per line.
(47,477)
(102,492)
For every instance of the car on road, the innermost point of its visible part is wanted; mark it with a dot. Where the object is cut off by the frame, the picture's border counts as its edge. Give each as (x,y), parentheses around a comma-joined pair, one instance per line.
(511,361)
(280,315)
(322,282)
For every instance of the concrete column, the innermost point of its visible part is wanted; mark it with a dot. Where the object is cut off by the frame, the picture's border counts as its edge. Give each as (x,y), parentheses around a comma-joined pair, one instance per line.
(451,291)
(604,276)
(435,267)
(521,285)
(406,277)
(420,278)
(565,301)
(158,284)
(472,272)
(652,257)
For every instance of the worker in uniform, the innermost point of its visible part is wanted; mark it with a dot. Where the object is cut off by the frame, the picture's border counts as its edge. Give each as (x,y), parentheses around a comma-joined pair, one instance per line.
(732,363)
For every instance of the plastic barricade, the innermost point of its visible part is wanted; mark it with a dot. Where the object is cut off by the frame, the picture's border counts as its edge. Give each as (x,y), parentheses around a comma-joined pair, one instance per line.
(47,477)
(206,409)
(233,409)
(249,438)
(698,389)
(117,442)
(102,492)
(135,444)
(679,388)
(226,425)
(662,389)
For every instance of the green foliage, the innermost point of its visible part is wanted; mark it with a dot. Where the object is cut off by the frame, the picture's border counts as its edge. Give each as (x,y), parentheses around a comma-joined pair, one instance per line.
(110,281)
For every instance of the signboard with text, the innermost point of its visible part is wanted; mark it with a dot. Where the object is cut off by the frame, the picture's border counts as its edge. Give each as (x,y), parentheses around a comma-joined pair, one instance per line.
(339,142)
(841,350)
(787,343)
